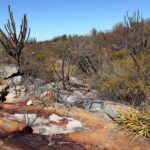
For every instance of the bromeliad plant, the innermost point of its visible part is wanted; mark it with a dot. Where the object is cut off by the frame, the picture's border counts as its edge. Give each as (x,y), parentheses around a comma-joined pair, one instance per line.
(135,122)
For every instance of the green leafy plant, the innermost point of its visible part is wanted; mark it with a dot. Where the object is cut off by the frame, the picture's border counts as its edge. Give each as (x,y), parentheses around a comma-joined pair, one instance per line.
(135,122)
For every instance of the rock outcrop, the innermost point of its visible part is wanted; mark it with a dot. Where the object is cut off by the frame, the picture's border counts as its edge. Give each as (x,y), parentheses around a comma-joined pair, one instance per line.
(76,129)
(79,119)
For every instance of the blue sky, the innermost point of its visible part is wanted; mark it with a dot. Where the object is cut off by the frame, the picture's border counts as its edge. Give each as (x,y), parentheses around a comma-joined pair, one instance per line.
(50,18)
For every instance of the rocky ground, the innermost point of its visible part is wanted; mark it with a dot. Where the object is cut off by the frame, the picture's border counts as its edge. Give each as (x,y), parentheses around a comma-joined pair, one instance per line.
(79,119)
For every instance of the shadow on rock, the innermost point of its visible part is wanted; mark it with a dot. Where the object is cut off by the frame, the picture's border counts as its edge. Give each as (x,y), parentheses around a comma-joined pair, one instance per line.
(21,141)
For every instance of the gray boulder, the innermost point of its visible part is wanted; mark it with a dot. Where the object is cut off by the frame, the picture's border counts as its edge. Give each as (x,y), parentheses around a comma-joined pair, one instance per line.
(7,71)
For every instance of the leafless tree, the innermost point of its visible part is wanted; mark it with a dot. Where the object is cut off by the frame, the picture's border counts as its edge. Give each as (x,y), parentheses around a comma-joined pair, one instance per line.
(12,42)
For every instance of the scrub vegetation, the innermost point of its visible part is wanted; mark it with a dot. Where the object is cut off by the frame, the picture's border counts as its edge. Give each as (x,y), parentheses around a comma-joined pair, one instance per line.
(116,63)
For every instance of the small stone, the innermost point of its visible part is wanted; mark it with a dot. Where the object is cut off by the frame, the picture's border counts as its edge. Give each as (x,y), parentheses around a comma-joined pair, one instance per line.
(30,102)
(76,80)
(23,88)
(74,124)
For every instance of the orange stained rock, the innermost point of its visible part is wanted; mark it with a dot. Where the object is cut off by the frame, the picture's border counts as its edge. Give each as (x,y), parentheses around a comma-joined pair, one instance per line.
(102,135)
(90,137)
(76,113)
(11,126)
(105,139)
(4,82)
(84,116)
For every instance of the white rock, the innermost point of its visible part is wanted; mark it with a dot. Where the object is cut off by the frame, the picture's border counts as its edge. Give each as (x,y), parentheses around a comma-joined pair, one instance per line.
(31,119)
(74,124)
(76,80)
(13,98)
(55,118)
(21,88)
(42,126)
(15,80)
(10,96)
(75,97)
(50,130)
(30,102)
(7,71)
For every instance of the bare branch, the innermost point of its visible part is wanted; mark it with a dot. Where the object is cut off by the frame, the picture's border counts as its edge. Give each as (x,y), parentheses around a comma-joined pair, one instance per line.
(12,43)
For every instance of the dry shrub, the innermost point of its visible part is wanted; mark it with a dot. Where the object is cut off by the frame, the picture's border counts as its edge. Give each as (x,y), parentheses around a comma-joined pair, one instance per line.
(125,82)
(119,53)
(39,66)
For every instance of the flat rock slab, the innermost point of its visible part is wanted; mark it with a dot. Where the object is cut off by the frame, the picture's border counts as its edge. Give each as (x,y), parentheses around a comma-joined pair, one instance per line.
(52,125)
(99,136)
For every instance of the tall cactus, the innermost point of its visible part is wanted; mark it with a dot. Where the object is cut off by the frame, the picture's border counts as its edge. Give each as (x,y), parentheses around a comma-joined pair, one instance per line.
(12,42)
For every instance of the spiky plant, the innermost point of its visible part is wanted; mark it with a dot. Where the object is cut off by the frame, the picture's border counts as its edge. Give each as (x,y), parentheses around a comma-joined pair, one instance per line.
(135,122)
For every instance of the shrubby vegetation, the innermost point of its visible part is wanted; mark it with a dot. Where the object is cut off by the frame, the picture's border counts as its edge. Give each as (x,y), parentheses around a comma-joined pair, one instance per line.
(117,63)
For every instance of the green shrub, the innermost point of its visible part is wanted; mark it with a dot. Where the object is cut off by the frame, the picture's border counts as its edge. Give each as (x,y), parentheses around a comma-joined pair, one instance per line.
(135,122)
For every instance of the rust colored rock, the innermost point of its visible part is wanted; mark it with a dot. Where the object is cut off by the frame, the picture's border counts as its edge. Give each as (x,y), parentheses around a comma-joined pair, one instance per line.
(3,84)
(86,117)
(63,142)
(21,108)
(21,141)
(99,136)
(11,125)
(108,139)
(76,113)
